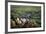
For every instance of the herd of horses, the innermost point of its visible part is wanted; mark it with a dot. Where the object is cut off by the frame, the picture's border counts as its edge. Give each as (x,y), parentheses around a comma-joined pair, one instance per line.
(23,23)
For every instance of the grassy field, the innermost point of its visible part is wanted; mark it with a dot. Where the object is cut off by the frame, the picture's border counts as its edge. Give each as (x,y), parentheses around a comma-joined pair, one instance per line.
(31,14)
